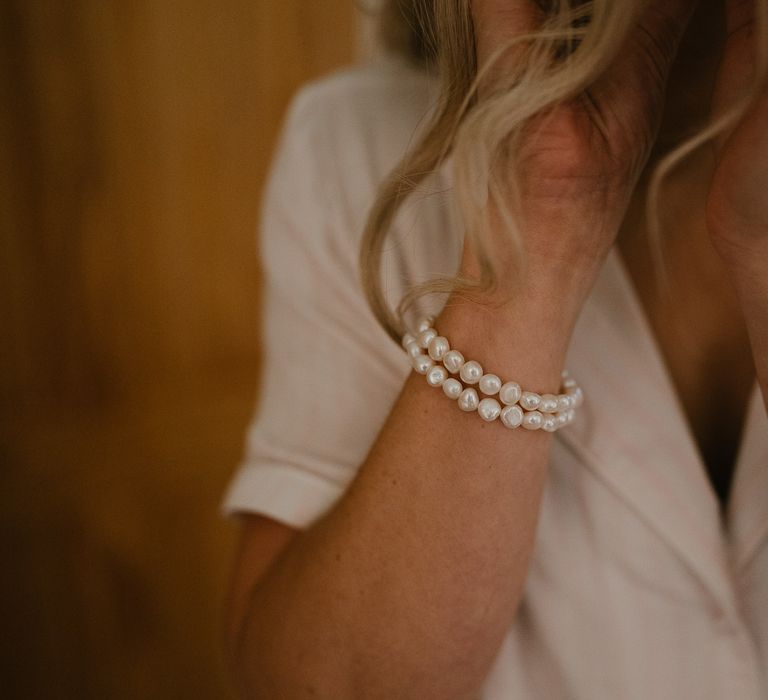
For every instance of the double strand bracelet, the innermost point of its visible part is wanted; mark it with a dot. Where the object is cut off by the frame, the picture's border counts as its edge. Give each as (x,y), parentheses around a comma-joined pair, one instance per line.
(432,356)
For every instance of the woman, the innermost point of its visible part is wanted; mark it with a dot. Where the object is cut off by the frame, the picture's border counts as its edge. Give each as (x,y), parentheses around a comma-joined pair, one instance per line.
(396,547)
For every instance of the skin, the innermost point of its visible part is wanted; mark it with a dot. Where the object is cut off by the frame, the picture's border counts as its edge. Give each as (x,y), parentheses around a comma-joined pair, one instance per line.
(715,250)
(390,565)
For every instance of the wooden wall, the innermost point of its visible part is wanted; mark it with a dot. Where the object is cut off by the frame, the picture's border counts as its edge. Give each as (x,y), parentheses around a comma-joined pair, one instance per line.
(134,138)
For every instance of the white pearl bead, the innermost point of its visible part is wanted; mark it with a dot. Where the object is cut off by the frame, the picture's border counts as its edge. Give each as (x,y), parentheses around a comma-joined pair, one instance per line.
(452,388)
(571,414)
(564,374)
(510,393)
(576,396)
(549,424)
(548,403)
(425,336)
(563,402)
(569,382)
(562,418)
(512,416)
(437,375)
(413,349)
(490,384)
(532,420)
(471,372)
(426,323)
(437,347)
(489,409)
(530,400)
(408,338)
(422,363)
(453,360)
(468,399)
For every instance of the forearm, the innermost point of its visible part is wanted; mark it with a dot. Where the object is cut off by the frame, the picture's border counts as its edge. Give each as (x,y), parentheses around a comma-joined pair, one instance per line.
(406,588)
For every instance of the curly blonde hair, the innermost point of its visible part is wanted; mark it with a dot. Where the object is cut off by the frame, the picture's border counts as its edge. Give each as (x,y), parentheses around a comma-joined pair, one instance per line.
(438,35)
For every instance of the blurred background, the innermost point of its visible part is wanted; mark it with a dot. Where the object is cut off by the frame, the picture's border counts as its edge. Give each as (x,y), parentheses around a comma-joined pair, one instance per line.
(135,139)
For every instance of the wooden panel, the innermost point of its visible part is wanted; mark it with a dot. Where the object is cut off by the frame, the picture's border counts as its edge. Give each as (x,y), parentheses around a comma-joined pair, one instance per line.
(137,137)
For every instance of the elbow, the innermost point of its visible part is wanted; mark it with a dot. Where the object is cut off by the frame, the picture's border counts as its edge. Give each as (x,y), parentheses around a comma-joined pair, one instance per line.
(247,670)
(264,665)
(234,658)
(244,659)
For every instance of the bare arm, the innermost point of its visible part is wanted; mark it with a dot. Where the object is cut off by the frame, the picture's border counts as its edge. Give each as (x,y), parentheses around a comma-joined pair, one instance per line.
(406,587)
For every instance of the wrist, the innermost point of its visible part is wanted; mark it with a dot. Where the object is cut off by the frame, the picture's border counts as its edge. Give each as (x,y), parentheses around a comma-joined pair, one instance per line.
(524,339)
(548,294)
(550,282)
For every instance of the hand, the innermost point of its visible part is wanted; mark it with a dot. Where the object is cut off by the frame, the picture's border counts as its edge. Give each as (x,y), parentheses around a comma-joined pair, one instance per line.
(737,202)
(580,161)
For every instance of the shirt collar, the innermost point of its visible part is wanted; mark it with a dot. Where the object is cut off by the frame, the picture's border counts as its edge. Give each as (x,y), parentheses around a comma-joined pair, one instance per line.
(631,430)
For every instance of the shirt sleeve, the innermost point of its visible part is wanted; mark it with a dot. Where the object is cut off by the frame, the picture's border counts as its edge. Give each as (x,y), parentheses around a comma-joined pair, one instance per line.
(330,373)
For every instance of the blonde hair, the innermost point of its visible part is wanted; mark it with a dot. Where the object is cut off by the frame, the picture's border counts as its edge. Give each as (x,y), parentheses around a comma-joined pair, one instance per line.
(439,35)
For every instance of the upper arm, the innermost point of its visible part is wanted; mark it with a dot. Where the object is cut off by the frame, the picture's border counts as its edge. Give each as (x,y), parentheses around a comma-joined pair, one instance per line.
(329,372)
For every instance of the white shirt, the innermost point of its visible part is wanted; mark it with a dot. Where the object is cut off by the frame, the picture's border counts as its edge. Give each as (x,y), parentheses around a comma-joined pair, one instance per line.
(636,590)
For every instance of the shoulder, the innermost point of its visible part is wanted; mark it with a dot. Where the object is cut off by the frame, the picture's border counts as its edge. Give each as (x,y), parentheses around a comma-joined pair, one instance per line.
(367,112)
(381,88)
(344,133)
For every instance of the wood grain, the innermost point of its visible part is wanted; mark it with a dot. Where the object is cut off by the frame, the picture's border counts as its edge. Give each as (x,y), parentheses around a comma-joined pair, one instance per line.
(136,137)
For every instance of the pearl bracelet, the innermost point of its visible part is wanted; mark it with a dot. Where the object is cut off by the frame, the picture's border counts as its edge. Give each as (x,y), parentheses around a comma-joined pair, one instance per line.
(528,409)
